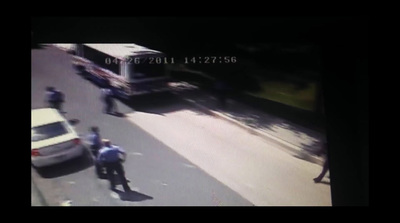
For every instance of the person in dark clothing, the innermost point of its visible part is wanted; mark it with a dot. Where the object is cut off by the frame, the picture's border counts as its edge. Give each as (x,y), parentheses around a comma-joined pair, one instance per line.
(58,99)
(54,98)
(110,157)
(50,97)
(107,98)
(325,169)
(325,166)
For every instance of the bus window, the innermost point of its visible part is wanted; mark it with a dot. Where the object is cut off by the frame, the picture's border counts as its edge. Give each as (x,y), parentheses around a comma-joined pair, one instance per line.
(145,70)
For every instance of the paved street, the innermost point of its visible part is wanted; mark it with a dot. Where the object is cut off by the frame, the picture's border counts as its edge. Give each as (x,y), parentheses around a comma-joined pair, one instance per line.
(177,155)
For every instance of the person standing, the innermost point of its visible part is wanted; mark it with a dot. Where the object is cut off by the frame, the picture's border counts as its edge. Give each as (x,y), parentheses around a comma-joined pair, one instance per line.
(110,157)
(58,99)
(107,98)
(54,98)
(50,97)
(94,139)
(325,167)
(95,143)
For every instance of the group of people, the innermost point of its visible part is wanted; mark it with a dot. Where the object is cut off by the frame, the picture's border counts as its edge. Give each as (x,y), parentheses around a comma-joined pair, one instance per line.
(55,98)
(107,156)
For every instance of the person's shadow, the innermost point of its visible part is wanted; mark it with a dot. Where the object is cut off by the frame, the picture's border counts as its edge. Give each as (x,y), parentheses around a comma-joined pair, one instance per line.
(326,182)
(118,114)
(132,196)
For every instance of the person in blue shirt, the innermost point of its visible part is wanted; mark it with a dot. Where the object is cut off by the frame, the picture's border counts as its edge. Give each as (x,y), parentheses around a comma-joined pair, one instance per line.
(54,98)
(58,99)
(94,139)
(111,157)
(95,143)
(50,97)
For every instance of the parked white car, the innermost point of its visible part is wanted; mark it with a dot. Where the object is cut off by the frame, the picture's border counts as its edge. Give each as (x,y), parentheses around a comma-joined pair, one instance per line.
(54,140)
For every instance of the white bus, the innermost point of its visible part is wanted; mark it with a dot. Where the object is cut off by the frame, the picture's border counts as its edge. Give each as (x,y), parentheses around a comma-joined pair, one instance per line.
(130,69)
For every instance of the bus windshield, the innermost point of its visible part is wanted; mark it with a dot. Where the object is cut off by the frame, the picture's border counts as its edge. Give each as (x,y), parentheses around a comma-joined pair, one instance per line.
(146,70)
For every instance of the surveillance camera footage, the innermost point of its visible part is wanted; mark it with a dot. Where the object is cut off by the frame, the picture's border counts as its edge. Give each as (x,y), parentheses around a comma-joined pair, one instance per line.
(173,112)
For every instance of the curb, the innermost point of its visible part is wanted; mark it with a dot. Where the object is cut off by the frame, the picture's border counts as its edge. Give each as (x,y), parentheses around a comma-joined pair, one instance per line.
(288,147)
(38,194)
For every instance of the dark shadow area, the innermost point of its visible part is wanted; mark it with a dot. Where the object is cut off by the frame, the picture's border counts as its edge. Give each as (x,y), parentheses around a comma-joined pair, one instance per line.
(304,118)
(132,196)
(67,167)
(158,103)
(253,117)
(314,147)
(326,182)
(37,46)
(118,114)
(73,122)
(309,158)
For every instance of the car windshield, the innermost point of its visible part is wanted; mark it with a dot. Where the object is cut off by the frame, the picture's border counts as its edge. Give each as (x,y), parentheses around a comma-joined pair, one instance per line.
(48,131)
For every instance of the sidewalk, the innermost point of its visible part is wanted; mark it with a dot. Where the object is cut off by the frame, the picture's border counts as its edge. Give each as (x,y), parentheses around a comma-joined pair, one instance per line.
(301,141)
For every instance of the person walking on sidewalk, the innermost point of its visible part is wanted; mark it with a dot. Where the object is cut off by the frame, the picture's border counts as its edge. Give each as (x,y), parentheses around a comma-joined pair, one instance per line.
(110,158)
(325,167)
